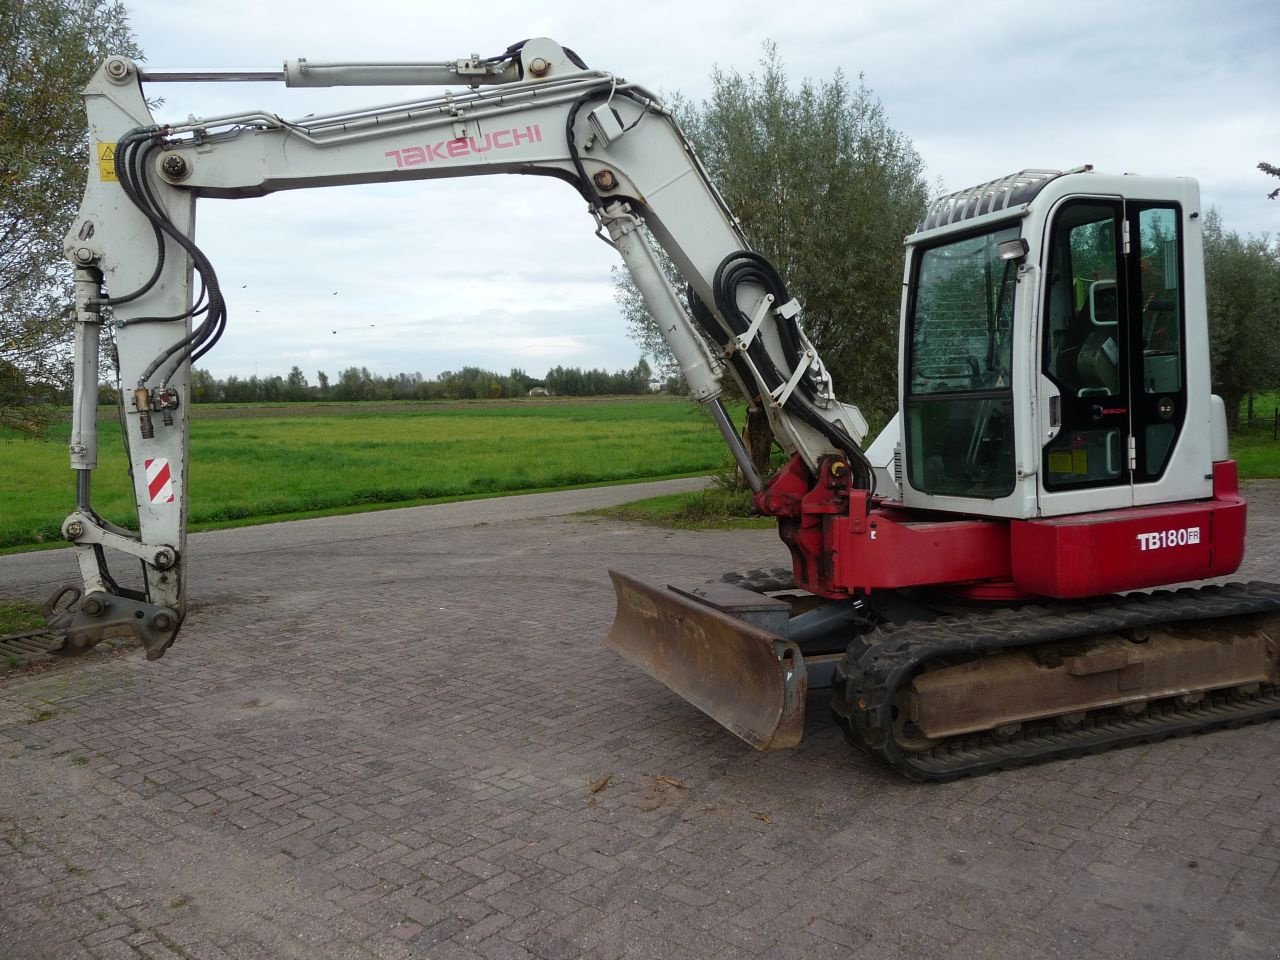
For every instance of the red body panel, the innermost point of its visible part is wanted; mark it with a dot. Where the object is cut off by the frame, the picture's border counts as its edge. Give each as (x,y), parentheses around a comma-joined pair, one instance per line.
(844,543)
(1095,553)
(886,551)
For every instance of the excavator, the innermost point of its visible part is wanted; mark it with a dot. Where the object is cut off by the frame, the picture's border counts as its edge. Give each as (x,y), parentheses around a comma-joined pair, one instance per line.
(973,585)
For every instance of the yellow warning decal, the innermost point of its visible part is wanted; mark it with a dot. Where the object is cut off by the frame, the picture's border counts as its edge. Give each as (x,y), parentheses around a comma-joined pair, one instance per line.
(1079,461)
(1060,461)
(106,161)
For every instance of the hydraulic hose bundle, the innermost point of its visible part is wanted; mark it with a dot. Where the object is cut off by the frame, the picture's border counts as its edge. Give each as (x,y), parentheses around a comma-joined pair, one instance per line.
(134,154)
(747,266)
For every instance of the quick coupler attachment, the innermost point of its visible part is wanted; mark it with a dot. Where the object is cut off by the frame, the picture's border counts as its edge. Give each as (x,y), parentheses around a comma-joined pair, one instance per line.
(86,620)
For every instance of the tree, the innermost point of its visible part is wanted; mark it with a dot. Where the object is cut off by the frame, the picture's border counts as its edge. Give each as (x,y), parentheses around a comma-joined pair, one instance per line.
(1272,170)
(641,374)
(48,51)
(296,384)
(826,189)
(1242,277)
(204,387)
(355,384)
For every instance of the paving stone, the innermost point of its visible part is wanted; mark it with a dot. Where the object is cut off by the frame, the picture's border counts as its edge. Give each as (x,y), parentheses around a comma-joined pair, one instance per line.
(377,737)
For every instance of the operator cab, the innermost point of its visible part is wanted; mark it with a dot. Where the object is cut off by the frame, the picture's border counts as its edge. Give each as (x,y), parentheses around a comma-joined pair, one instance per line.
(1045,365)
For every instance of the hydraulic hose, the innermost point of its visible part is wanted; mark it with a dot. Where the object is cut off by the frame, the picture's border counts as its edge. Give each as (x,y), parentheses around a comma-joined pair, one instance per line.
(747,266)
(133,154)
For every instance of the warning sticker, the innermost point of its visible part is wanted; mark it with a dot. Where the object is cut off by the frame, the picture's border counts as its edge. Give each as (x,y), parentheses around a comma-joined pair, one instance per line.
(159,481)
(1060,461)
(106,161)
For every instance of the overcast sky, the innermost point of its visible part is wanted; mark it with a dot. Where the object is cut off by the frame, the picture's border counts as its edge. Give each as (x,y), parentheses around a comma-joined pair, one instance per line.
(503,272)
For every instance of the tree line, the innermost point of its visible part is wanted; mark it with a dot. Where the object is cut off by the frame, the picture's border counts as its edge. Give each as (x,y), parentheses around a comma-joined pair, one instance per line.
(359,383)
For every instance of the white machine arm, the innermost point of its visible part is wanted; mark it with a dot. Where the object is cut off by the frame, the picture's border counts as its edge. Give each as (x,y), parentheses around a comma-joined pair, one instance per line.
(548,114)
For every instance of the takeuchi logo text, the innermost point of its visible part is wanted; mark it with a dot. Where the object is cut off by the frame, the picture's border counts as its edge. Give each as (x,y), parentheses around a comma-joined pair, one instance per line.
(465,146)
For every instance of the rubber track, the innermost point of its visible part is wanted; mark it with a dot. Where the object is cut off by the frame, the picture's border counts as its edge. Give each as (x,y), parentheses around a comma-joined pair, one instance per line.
(880,662)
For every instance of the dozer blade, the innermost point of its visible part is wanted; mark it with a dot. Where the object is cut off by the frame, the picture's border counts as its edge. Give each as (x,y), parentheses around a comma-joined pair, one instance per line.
(749,680)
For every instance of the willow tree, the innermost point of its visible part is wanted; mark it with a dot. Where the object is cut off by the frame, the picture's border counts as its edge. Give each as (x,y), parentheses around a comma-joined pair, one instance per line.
(48,51)
(1242,277)
(827,189)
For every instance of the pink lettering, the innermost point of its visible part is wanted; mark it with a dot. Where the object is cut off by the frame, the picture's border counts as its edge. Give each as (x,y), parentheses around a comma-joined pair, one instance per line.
(464,146)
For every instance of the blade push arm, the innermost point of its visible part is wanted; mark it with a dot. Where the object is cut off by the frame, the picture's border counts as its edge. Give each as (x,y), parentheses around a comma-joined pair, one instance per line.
(546,114)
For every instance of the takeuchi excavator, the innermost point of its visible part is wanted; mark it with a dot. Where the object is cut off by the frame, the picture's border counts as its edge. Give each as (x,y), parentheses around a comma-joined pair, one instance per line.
(971,583)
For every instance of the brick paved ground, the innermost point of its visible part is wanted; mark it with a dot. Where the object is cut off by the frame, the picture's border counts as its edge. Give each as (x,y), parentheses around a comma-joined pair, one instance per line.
(379,734)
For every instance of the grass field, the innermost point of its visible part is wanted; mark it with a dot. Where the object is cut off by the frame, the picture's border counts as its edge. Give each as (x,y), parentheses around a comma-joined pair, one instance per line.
(270,462)
(258,463)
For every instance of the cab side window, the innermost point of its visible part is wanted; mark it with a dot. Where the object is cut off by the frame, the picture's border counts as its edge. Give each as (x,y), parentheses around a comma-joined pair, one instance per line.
(1084,308)
(1159,285)
(1161,305)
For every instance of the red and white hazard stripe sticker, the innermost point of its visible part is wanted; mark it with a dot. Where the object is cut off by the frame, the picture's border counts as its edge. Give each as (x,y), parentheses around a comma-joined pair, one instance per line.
(159,481)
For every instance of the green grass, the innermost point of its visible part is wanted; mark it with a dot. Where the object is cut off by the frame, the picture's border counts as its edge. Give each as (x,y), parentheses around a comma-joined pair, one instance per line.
(257,465)
(1257,457)
(1254,446)
(1264,407)
(714,508)
(17,616)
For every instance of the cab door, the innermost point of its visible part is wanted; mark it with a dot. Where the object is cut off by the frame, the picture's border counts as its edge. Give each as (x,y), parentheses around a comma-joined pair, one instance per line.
(1112,380)
(1086,368)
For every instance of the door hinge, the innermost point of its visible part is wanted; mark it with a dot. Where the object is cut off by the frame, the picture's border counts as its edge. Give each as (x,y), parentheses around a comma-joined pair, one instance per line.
(1133,453)
(1124,224)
